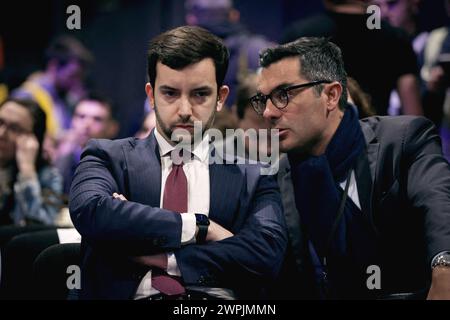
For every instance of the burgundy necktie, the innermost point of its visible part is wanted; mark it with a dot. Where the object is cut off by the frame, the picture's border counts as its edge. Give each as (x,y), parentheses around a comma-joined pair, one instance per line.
(175,199)
(175,190)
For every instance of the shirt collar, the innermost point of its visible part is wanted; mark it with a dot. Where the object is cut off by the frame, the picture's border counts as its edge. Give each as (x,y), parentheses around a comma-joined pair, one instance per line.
(200,151)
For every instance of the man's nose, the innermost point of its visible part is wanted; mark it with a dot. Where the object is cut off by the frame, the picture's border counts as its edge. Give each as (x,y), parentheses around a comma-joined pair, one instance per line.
(271,112)
(185,108)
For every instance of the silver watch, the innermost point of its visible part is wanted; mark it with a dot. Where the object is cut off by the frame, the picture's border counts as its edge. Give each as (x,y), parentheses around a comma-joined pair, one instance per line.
(441,260)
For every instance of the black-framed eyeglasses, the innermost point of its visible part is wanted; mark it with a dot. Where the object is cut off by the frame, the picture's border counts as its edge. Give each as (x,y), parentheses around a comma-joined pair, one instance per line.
(279,96)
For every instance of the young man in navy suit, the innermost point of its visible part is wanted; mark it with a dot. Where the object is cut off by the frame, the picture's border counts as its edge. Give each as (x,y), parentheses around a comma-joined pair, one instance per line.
(158,228)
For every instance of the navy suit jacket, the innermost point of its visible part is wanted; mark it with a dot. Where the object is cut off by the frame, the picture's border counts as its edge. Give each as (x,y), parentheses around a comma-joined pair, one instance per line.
(241,200)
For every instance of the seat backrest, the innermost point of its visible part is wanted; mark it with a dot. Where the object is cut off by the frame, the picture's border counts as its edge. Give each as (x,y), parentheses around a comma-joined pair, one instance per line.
(56,271)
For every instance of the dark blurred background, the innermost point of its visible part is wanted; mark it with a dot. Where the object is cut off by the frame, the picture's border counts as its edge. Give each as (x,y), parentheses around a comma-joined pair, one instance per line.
(117,32)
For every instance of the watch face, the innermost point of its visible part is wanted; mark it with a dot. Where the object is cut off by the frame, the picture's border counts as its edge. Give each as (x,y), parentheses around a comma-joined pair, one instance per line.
(202,219)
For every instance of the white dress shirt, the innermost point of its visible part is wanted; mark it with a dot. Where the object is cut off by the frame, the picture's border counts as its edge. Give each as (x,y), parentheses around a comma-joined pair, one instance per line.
(196,170)
(352,189)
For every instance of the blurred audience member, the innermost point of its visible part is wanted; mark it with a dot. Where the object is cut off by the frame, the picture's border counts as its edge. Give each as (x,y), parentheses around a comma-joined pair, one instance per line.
(379,59)
(3,87)
(92,119)
(61,84)
(147,126)
(221,18)
(30,189)
(361,100)
(436,74)
(248,119)
(404,14)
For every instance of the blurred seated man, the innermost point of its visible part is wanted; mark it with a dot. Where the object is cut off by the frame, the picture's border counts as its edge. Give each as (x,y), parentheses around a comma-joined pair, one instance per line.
(92,119)
(61,85)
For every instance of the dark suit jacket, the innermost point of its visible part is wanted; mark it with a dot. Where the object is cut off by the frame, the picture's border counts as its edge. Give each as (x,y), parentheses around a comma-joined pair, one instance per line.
(403,185)
(241,200)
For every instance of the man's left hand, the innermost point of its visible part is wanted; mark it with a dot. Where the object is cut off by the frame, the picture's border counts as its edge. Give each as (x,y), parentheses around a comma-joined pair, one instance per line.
(440,284)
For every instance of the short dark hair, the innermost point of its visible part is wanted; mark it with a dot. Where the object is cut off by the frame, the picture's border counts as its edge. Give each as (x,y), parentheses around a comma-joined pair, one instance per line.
(65,48)
(100,98)
(186,45)
(320,59)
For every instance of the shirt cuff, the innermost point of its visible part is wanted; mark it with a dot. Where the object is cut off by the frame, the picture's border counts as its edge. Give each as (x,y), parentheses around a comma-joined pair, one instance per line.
(172,266)
(189,225)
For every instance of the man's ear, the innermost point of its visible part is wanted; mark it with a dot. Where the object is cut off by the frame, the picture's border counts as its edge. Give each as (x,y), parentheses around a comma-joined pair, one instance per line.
(332,92)
(150,93)
(222,97)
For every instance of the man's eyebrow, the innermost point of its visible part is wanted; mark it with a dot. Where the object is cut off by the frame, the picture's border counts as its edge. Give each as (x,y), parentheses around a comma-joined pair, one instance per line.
(280,86)
(203,88)
(166,87)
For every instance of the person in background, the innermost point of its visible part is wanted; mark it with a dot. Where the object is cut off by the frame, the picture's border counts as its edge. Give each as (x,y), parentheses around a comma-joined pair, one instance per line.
(3,87)
(404,14)
(379,59)
(248,119)
(147,125)
(435,73)
(59,87)
(360,99)
(30,189)
(223,19)
(92,119)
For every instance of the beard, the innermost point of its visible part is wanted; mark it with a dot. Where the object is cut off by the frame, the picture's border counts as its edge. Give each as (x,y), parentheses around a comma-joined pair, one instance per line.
(168,130)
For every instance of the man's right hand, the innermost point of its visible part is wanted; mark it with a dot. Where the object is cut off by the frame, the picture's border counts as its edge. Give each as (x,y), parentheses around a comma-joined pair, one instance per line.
(216,232)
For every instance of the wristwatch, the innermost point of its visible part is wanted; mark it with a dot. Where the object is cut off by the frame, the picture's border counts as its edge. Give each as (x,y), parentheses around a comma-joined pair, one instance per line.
(441,260)
(202,224)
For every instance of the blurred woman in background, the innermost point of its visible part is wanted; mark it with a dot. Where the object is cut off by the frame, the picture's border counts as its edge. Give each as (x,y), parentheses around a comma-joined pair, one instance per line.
(30,189)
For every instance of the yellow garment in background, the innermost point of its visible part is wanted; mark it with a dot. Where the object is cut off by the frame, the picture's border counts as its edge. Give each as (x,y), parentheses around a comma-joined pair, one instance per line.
(45,101)
(3,92)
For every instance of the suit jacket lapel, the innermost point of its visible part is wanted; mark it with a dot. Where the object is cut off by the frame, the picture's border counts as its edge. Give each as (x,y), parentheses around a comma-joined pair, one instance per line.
(290,211)
(144,171)
(225,181)
(366,171)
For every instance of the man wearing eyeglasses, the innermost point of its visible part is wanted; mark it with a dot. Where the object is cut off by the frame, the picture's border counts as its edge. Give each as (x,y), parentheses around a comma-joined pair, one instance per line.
(367,202)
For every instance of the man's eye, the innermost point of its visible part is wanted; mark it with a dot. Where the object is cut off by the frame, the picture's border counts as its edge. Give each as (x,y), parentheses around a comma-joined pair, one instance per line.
(201,94)
(279,95)
(169,93)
